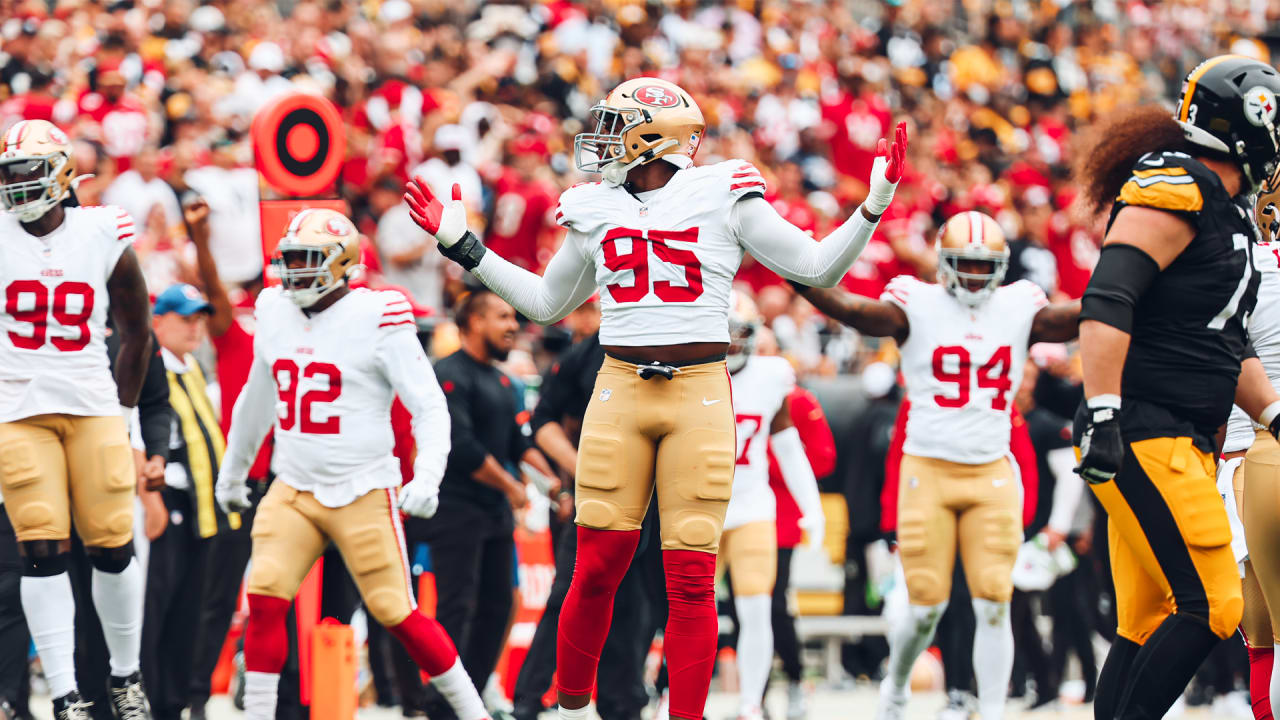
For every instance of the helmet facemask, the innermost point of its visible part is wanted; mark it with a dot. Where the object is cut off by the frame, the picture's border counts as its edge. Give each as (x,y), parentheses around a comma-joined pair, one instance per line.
(605,151)
(313,277)
(961,283)
(30,187)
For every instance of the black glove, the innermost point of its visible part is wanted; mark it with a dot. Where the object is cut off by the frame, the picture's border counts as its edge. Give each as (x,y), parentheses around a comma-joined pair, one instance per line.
(1101,447)
(466,252)
(1274,428)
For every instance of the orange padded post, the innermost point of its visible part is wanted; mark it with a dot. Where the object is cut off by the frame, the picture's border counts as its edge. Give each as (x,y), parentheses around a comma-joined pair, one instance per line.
(333,671)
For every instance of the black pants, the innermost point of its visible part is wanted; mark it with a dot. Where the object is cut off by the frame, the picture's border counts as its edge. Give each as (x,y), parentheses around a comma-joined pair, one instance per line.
(224,574)
(785,643)
(14,638)
(865,656)
(955,635)
(1071,606)
(171,624)
(473,556)
(93,660)
(1029,656)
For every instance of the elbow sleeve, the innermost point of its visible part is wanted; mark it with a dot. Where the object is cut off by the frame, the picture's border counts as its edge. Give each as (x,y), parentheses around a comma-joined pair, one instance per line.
(1123,274)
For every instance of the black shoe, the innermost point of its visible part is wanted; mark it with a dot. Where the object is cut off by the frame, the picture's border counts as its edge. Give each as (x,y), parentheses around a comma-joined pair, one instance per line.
(128,702)
(197,712)
(71,707)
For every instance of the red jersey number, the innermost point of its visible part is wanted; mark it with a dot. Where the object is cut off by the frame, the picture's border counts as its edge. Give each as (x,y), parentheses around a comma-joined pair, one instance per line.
(637,261)
(992,375)
(29,301)
(287,373)
(755,421)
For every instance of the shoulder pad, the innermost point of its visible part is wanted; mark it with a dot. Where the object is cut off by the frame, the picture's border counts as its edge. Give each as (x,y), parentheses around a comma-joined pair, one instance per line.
(395,311)
(743,178)
(266,297)
(1167,181)
(900,289)
(1028,292)
(782,371)
(572,202)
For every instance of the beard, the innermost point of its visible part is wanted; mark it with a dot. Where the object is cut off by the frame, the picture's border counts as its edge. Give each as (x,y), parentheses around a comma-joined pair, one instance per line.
(497,353)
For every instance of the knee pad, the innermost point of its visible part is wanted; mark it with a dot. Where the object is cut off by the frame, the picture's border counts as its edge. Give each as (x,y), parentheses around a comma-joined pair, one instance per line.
(989,612)
(110,560)
(44,558)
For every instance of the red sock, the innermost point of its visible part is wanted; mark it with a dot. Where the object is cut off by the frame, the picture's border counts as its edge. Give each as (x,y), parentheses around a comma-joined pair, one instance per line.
(1260,681)
(428,644)
(266,639)
(603,558)
(690,638)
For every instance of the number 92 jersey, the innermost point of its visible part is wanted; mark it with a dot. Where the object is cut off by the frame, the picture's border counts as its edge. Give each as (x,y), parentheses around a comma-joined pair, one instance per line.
(963,367)
(53,353)
(664,264)
(1189,332)
(333,397)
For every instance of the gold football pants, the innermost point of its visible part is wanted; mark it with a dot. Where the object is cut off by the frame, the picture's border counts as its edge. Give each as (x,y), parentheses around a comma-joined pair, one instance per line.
(1260,513)
(55,468)
(750,554)
(1169,539)
(944,505)
(677,435)
(292,528)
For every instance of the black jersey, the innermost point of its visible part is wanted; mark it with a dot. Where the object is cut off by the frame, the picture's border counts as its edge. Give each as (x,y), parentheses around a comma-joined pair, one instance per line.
(1189,333)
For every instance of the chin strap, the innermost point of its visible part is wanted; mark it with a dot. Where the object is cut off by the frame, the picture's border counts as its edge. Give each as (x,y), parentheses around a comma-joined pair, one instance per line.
(615,173)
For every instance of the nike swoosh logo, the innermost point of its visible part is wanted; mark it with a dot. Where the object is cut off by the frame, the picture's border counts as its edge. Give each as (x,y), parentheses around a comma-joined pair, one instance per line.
(710,402)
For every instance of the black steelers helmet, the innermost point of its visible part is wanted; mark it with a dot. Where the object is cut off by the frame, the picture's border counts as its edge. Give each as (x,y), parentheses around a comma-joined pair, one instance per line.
(1229,104)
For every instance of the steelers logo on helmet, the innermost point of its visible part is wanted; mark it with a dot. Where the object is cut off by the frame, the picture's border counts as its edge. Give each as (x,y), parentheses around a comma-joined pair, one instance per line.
(1260,106)
(656,96)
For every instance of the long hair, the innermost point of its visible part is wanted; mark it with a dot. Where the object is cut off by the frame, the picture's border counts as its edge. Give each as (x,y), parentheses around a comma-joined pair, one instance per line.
(1111,147)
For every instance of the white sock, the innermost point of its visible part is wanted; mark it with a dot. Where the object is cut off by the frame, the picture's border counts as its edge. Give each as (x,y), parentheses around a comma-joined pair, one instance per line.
(908,637)
(51,617)
(582,713)
(755,648)
(118,599)
(1275,675)
(992,656)
(260,695)
(456,687)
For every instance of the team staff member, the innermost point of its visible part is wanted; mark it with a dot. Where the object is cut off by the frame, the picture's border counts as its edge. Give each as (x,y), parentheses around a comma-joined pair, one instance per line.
(472,546)
(1164,350)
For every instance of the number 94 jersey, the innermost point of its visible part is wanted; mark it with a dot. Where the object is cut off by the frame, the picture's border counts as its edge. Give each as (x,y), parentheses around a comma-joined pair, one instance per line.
(53,353)
(962,366)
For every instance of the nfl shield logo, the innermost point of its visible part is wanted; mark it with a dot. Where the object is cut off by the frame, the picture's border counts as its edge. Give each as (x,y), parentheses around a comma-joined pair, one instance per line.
(644,211)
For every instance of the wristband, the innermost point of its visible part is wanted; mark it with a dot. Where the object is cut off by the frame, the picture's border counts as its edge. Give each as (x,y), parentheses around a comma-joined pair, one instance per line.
(467,252)
(1269,414)
(1112,401)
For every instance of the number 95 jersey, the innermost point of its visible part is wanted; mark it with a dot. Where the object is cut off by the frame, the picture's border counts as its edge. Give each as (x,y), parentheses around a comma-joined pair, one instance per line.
(963,367)
(53,353)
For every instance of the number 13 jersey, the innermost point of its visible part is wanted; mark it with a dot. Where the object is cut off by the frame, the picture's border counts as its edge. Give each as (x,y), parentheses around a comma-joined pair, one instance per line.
(53,321)
(962,366)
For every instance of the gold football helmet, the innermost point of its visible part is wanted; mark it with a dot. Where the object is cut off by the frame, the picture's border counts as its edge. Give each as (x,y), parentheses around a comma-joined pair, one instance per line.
(35,168)
(641,120)
(744,326)
(965,242)
(1267,214)
(319,250)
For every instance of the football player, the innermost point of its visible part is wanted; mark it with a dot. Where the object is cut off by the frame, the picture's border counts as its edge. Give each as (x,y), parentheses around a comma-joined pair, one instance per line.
(64,442)
(964,343)
(328,361)
(661,239)
(749,545)
(1164,350)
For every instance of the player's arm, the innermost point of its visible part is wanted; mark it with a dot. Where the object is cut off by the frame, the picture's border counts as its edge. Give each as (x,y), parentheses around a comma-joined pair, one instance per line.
(251,419)
(406,368)
(1141,243)
(1067,491)
(548,434)
(784,439)
(876,318)
(1256,395)
(196,216)
(1056,323)
(468,453)
(567,283)
(792,253)
(131,316)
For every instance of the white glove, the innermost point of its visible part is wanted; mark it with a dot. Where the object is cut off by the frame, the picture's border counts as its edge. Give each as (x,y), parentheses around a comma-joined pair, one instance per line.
(419,498)
(886,171)
(231,495)
(815,527)
(446,221)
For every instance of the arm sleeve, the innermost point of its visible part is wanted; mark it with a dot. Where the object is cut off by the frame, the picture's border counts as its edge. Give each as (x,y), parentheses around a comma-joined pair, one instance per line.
(567,283)
(790,252)
(815,433)
(153,407)
(1067,489)
(796,472)
(467,453)
(406,368)
(250,421)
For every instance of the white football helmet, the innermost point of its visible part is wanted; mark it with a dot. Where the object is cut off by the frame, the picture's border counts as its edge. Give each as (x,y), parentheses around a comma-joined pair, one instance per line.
(744,326)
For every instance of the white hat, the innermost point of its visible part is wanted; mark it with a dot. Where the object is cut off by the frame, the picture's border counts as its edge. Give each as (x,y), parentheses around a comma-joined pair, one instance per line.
(267,56)
(394,11)
(451,137)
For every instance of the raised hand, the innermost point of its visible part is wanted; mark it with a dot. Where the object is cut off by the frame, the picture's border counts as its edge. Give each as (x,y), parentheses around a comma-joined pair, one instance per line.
(446,221)
(886,171)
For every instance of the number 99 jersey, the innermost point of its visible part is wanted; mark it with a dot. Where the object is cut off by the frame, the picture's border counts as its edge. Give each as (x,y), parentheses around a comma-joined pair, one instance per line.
(963,366)
(53,353)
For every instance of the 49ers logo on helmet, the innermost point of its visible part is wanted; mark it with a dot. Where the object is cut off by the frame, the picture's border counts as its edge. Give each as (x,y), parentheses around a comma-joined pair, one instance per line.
(57,136)
(337,226)
(656,96)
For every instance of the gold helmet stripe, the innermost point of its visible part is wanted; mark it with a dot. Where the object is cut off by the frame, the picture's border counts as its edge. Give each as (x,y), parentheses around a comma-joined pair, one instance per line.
(1195,76)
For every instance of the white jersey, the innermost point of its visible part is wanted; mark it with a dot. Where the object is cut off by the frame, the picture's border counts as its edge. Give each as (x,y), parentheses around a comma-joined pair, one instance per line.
(963,366)
(53,353)
(664,265)
(331,379)
(758,391)
(1264,332)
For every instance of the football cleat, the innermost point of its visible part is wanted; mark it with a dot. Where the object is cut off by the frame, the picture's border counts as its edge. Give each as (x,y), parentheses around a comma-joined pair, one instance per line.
(128,701)
(71,707)
(893,702)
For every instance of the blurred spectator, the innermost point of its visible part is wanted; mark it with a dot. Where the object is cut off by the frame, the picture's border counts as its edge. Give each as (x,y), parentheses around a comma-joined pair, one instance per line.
(140,188)
(231,191)
(449,168)
(410,259)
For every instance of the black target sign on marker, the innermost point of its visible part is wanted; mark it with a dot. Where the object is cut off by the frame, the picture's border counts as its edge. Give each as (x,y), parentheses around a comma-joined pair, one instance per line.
(299,144)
